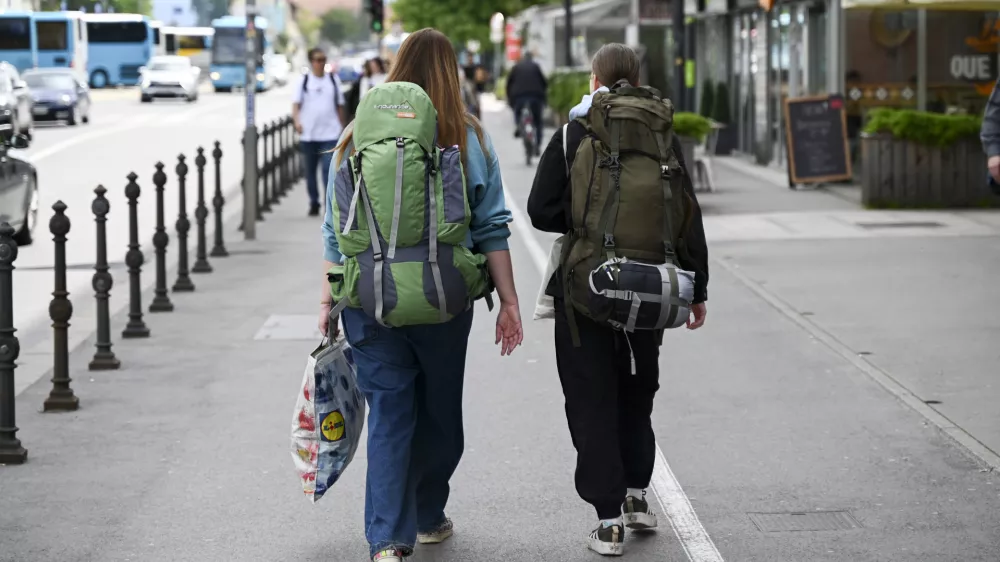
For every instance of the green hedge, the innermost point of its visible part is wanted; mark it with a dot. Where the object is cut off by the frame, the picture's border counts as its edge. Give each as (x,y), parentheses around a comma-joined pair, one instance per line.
(922,127)
(691,125)
(566,89)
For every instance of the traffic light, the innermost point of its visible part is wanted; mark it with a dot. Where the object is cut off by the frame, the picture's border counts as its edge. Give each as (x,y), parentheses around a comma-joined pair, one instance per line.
(376,9)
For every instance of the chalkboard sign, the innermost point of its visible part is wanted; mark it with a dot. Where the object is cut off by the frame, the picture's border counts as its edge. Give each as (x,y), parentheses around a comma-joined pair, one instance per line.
(816,137)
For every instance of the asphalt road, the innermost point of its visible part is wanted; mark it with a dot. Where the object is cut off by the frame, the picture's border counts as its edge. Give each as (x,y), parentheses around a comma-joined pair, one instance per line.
(776,445)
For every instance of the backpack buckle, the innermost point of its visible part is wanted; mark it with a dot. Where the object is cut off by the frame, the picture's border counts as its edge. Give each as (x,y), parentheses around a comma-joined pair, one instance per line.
(399,142)
(665,172)
(609,240)
(377,257)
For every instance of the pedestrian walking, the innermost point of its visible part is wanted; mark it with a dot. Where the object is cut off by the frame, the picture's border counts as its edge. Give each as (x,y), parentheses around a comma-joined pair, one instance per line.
(634,263)
(990,135)
(527,86)
(373,75)
(318,114)
(404,285)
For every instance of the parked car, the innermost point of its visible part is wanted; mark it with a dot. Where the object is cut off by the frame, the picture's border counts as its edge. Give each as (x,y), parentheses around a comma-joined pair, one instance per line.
(15,100)
(59,94)
(169,77)
(18,186)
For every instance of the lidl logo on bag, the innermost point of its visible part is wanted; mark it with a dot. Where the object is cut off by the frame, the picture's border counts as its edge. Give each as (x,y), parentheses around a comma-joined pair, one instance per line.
(333,426)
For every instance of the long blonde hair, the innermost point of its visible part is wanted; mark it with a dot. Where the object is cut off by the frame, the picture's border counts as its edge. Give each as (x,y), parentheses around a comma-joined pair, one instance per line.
(427,59)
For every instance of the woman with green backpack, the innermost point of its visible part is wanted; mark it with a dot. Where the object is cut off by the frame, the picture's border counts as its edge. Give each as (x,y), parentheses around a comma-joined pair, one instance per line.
(415,232)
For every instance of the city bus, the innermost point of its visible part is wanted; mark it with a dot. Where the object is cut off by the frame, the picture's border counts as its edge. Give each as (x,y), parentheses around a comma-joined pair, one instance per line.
(61,40)
(228,67)
(18,44)
(194,43)
(120,44)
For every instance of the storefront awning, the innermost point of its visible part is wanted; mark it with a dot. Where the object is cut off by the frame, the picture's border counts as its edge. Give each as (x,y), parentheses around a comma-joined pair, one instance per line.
(964,5)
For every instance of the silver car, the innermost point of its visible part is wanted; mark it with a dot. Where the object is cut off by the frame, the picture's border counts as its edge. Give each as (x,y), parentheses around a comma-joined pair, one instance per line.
(169,77)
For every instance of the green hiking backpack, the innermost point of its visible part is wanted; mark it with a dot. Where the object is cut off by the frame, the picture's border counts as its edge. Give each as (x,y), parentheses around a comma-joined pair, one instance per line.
(401,214)
(629,214)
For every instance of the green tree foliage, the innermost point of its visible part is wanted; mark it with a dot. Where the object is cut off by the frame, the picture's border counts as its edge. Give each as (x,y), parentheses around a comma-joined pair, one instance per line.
(460,20)
(209,10)
(339,25)
(144,7)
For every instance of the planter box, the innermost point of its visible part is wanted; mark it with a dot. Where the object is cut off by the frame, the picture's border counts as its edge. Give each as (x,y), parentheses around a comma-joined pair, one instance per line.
(688,145)
(901,174)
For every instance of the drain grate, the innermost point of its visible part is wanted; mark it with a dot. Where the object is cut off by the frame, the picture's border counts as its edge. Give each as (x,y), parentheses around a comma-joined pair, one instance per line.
(913,224)
(804,521)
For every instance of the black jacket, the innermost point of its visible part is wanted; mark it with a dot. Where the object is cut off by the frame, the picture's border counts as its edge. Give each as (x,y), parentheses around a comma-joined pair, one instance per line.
(990,133)
(526,79)
(549,204)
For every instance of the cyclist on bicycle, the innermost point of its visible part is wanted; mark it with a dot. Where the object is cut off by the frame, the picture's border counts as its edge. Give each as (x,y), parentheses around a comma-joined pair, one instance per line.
(526,86)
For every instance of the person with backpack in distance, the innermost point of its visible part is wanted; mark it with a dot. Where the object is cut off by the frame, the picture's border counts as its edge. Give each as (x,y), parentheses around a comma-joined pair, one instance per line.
(319,117)
(634,263)
(415,232)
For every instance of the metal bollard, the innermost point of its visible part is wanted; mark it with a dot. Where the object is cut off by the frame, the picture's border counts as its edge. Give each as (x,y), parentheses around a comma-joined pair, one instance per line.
(135,328)
(11,451)
(258,204)
(297,155)
(61,398)
(265,171)
(161,301)
(201,264)
(274,164)
(283,156)
(218,201)
(104,359)
(183,226)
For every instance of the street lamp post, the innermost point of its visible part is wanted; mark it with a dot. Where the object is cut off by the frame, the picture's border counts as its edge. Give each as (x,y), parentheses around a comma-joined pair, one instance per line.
(250,133)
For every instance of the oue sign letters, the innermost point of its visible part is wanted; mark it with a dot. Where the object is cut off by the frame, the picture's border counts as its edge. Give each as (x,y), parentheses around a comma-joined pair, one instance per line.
(973,68)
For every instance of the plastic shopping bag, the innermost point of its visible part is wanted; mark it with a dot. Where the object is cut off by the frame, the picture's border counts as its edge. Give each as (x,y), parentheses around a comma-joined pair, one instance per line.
(544,305)
(328,420)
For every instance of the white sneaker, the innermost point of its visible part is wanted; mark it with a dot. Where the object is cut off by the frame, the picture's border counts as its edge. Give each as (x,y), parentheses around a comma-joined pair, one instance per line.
(608,541)
(636,513)
(439,535)
(388,555)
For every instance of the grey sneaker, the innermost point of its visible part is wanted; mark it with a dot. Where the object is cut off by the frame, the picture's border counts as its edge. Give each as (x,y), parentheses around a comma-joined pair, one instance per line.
(439,535)
(608,541)
(636,513)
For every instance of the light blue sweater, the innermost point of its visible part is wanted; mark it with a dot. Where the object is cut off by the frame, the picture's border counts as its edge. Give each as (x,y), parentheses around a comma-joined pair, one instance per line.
(488,230)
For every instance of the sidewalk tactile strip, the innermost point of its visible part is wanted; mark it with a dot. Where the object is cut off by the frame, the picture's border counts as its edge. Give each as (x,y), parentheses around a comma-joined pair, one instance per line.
(289,327)
(804,521)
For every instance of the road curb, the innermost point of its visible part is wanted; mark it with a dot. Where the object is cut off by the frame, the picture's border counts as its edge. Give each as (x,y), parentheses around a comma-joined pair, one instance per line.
(981,453)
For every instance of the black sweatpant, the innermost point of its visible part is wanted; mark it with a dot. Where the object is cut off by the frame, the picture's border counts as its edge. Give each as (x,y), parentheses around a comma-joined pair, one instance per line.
(608,408)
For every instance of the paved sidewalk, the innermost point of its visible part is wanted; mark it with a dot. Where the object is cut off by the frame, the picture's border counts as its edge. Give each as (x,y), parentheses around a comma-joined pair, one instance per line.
(184,453)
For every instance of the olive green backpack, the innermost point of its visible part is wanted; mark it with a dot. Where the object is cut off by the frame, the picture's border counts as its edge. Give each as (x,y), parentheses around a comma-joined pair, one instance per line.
(629,211)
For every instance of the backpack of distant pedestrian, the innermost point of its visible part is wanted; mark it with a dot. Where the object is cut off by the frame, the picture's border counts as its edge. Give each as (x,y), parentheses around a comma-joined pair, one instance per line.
(629,213)
(336,90)
(401,213)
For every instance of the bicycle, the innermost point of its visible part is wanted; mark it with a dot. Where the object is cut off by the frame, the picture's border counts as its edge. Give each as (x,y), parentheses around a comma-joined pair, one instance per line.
(527,128)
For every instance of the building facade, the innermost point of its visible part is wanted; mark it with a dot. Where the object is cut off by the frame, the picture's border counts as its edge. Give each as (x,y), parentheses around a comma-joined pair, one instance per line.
(876,53)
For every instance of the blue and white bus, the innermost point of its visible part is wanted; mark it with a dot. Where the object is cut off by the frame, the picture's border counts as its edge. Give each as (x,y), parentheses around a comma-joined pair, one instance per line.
(120,44)
(17,40)
(228,67)
(61,40)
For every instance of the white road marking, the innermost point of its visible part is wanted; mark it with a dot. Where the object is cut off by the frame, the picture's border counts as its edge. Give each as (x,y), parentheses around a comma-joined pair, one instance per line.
(58,147)
(673,501)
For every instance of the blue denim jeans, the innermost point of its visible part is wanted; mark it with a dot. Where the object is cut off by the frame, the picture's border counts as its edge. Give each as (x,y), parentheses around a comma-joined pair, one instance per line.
(412,380)
(316,154)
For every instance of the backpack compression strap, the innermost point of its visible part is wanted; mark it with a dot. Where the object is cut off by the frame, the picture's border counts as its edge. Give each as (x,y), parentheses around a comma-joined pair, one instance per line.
(610,214)
(668,314)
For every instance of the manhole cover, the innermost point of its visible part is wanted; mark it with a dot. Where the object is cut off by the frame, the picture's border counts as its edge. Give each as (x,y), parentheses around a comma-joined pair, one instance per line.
(804,521)
(289,327)
(913,224)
